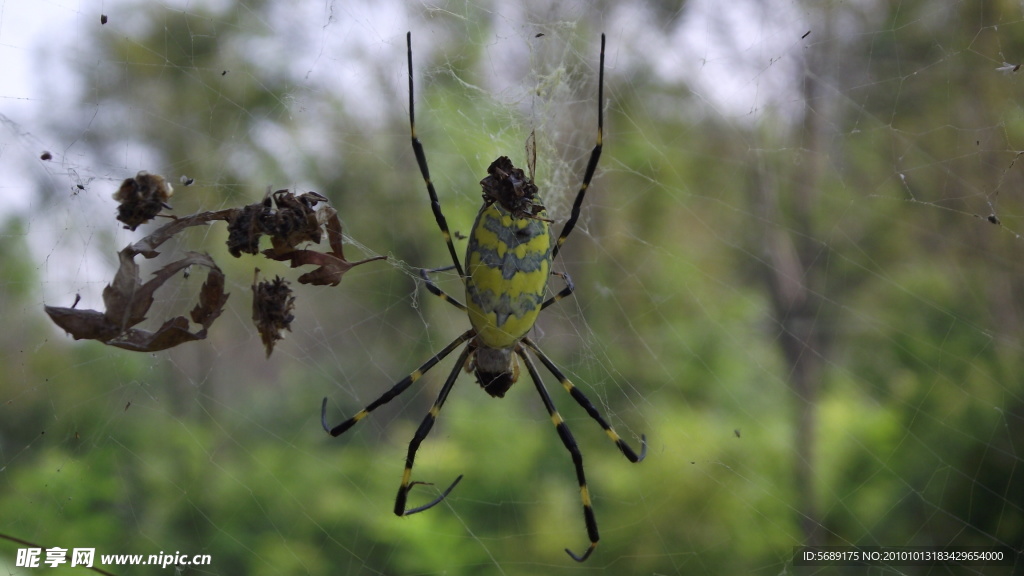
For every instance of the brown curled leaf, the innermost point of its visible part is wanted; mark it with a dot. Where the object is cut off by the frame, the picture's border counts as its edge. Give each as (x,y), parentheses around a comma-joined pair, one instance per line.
(148,245)
(128,299)
(83,324)
(331,265)
(212,299)
(172,333)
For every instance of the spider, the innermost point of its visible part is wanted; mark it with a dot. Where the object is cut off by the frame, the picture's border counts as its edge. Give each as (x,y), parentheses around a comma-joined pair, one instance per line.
(508,262)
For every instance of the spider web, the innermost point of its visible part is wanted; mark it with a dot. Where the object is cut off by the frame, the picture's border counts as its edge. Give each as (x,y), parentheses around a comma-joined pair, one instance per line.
(796,273)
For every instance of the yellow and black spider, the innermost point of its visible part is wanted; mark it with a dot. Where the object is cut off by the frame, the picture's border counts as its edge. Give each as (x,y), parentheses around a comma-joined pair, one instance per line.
(508,262)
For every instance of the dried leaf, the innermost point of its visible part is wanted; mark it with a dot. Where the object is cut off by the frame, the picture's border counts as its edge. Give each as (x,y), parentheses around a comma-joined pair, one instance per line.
(172,333)
(148,245)
(83,324)
(212,299)
(332,265)
(128,300)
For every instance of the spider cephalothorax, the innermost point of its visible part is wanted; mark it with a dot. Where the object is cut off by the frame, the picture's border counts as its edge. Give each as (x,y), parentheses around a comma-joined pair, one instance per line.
(512,189)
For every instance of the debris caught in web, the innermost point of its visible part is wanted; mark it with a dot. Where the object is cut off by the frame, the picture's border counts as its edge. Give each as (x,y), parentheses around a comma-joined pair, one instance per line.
(289,220)
(128,299)
(142,198)
(272,304)
(292,222)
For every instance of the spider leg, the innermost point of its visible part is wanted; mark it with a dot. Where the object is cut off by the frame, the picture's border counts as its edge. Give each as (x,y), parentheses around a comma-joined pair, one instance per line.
(569,287)
(421,160)
(577,457)
(421,434)
(595,155)
(587,405)
(394,391)
(425,274)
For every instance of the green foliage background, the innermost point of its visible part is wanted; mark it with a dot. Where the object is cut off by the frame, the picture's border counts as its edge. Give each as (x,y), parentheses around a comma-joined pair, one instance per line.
(804,308)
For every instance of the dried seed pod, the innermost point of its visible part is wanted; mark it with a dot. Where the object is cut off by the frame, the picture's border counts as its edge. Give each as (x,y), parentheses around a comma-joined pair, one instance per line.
(272,304)
(244,230)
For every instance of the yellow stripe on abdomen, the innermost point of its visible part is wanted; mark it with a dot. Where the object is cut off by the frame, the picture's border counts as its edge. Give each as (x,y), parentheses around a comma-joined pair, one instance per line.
(508,262)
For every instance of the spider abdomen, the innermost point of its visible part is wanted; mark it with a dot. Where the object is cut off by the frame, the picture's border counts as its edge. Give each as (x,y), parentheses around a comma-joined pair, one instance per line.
(508,262)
